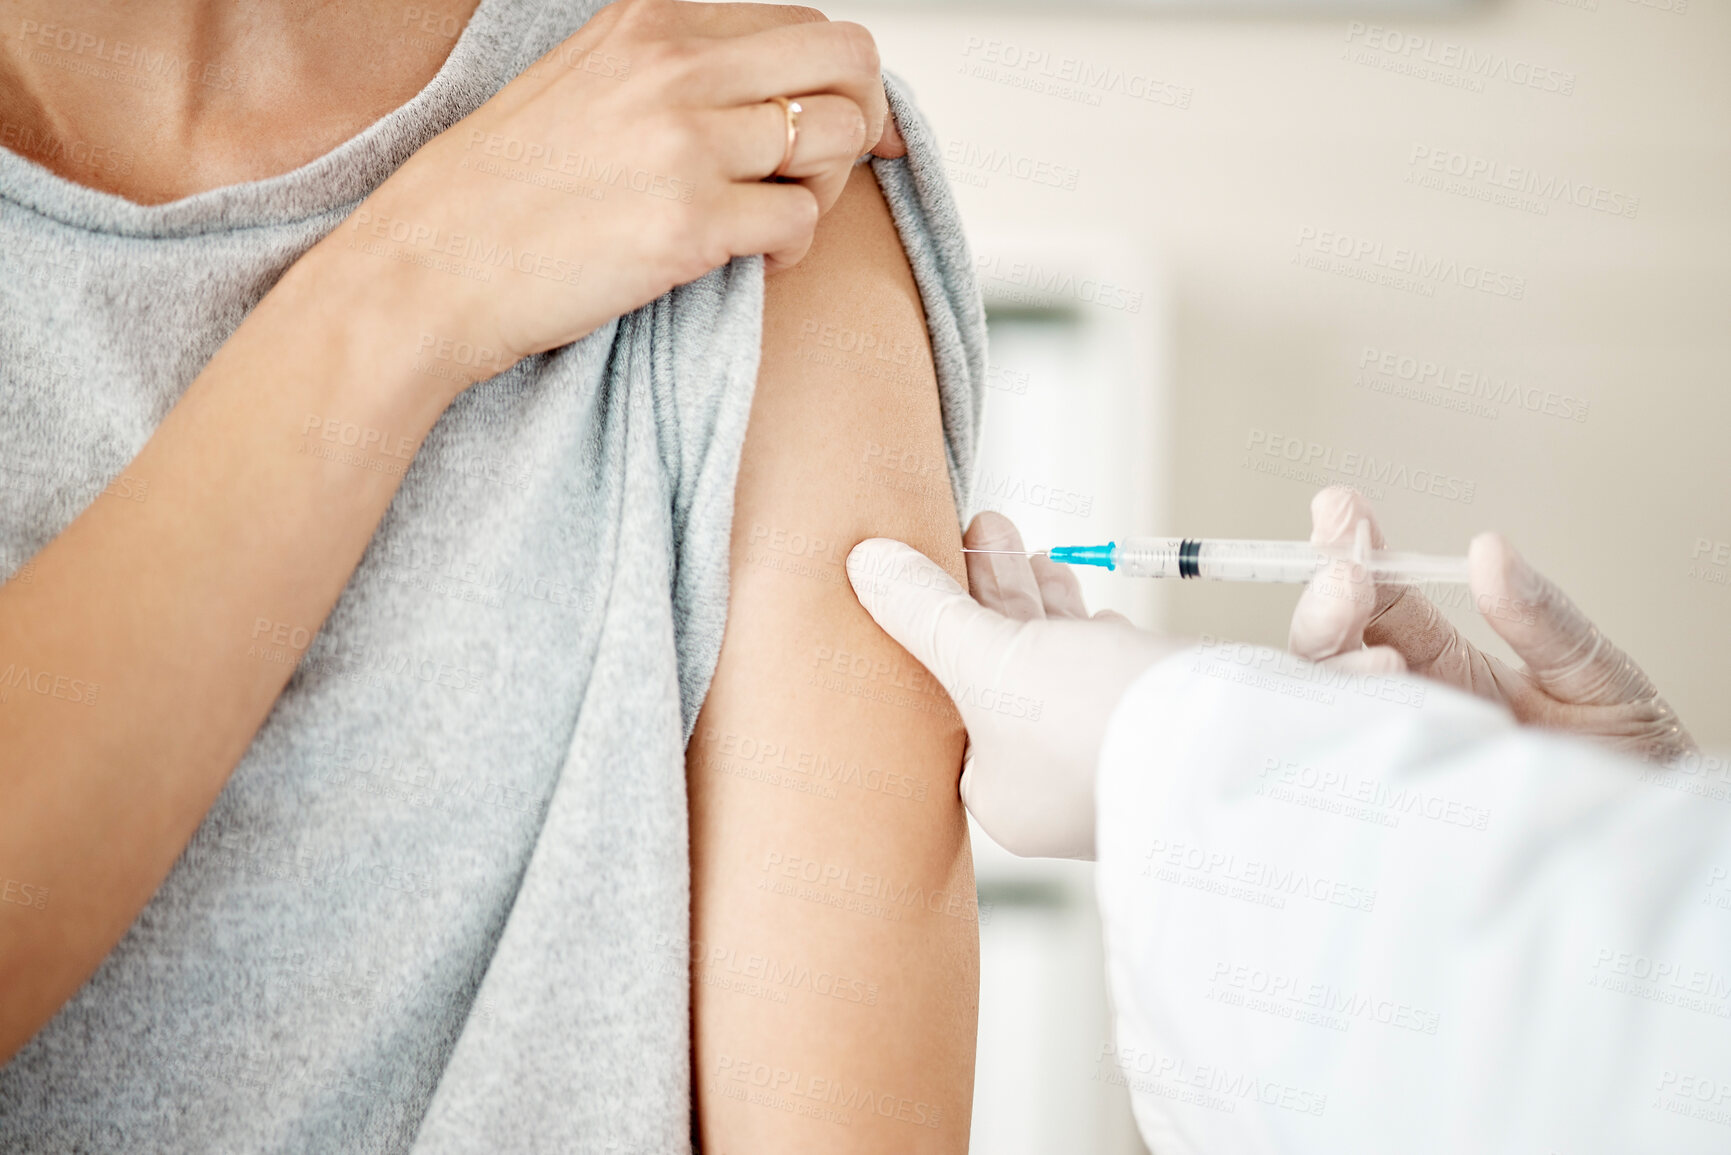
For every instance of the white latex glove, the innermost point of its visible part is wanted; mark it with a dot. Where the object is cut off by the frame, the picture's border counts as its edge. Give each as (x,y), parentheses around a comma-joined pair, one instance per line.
(1574,679)
(1034,677)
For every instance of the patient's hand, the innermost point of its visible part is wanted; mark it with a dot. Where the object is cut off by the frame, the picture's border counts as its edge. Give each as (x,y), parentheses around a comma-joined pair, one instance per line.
(834,924)
(1574,678)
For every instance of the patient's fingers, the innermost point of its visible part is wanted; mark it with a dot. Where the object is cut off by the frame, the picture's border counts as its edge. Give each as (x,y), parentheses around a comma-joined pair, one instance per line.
(753,138)
(1002,581)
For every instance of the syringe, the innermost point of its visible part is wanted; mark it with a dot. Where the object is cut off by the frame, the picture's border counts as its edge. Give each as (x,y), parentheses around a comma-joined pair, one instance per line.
(1248,561)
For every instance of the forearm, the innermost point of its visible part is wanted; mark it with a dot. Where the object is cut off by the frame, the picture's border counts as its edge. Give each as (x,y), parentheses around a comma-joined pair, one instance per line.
(158,633)
(835,950)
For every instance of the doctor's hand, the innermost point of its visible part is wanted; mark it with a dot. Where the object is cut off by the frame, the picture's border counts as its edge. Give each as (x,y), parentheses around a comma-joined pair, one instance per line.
(1034,677)
(1574,679)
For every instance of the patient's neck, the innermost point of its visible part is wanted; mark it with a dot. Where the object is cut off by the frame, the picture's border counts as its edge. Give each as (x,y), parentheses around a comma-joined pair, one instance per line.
(156,101)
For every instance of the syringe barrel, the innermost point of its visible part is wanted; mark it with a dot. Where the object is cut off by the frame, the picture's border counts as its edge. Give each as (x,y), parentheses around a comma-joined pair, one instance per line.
(1221,560)
(1271,561)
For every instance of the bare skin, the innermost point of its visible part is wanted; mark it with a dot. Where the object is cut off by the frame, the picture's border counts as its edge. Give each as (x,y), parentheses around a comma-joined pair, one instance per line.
(151,600)
(288,86)
(828,837)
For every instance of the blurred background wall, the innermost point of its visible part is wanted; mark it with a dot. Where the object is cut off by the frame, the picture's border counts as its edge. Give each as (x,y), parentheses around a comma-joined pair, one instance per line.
(1473,260)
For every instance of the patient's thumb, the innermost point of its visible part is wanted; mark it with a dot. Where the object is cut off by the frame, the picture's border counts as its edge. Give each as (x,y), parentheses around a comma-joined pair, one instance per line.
(920,605)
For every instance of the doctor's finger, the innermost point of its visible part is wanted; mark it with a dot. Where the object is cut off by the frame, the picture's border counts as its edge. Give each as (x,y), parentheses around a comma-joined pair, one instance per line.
(1381,660)
(1004,581)
(920,605)
(1060,592)
(1564,651)
(1341,599)
(1334,516)
(1398,615)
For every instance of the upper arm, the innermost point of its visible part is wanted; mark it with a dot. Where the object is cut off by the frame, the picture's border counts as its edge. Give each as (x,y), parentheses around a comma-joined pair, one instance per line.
(834,925)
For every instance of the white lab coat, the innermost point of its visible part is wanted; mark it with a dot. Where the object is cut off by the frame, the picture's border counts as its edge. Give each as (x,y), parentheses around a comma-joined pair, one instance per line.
(1371,916)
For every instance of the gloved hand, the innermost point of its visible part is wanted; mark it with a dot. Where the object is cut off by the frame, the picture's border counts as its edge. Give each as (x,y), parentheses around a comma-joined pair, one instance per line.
(1034,677)
(1574,679)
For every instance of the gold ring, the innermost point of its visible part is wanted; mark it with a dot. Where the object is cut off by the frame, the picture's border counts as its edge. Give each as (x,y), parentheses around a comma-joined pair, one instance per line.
(791,110)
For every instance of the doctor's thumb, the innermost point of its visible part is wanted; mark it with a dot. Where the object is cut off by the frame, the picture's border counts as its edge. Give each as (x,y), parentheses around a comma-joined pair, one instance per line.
(922,607)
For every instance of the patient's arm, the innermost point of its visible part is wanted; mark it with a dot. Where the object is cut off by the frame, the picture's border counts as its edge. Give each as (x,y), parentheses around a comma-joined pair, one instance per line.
(835,943)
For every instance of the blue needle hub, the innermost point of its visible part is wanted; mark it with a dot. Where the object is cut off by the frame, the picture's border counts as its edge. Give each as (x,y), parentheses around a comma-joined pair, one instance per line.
(1100,555)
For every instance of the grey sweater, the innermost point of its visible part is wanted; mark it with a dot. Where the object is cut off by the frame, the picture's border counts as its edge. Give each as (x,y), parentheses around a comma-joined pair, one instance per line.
(442,904)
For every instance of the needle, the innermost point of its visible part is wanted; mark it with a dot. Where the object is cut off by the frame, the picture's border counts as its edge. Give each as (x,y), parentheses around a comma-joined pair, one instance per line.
(1009,552)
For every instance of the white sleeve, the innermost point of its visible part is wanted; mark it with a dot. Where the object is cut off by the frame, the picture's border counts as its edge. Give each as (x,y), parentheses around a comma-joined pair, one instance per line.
(1361,915)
